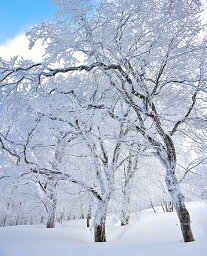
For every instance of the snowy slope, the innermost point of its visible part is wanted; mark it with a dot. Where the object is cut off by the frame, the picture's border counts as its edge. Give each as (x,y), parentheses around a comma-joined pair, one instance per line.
(148,234)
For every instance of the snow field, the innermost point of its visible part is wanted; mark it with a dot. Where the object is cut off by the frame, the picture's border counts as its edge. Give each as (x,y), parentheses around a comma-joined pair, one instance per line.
(147,234)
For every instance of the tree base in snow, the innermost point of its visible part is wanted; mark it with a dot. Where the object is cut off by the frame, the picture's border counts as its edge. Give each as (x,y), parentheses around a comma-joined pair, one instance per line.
(185,225)
(125,222)
(99,233)
(50,224)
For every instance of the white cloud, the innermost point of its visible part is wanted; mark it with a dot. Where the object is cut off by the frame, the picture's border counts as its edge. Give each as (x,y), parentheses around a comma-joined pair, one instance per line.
(19,46)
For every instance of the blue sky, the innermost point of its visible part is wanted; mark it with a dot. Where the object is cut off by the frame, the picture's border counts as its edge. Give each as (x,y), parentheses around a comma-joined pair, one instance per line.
(17,15)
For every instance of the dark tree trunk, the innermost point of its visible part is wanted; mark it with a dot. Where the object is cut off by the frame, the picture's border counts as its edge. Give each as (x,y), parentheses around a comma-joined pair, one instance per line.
(4,221)
(167,154)
(168,159)
(100,222)
(168,205)
(100,233)
(89,213)
(179,205)
(125,213)
(51,213)
(125,220)
(185,222)
(51,221)
(88,220)
(152,206)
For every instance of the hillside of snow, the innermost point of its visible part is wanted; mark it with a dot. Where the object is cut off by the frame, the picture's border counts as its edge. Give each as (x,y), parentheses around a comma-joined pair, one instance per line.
(147,234)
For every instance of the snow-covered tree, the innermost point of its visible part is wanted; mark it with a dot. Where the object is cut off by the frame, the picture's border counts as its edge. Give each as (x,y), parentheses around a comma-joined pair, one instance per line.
(149,55)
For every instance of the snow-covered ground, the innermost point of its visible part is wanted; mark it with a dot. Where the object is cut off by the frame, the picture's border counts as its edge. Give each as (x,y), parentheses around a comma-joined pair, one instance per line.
(148,234)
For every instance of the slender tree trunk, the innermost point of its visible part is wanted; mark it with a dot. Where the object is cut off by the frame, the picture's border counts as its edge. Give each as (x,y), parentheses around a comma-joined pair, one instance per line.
(51,220)
(168,205)
(167,155)
(88,221)
(168,158)
(89,213)
(179,205)
(152,206)
(125,213)
(125,219)
(51,213)
(88,217)
(100,222)
(129,176)
(4,221)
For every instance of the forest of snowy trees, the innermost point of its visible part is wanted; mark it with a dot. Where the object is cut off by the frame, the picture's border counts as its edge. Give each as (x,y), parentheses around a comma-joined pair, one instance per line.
(112,121)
